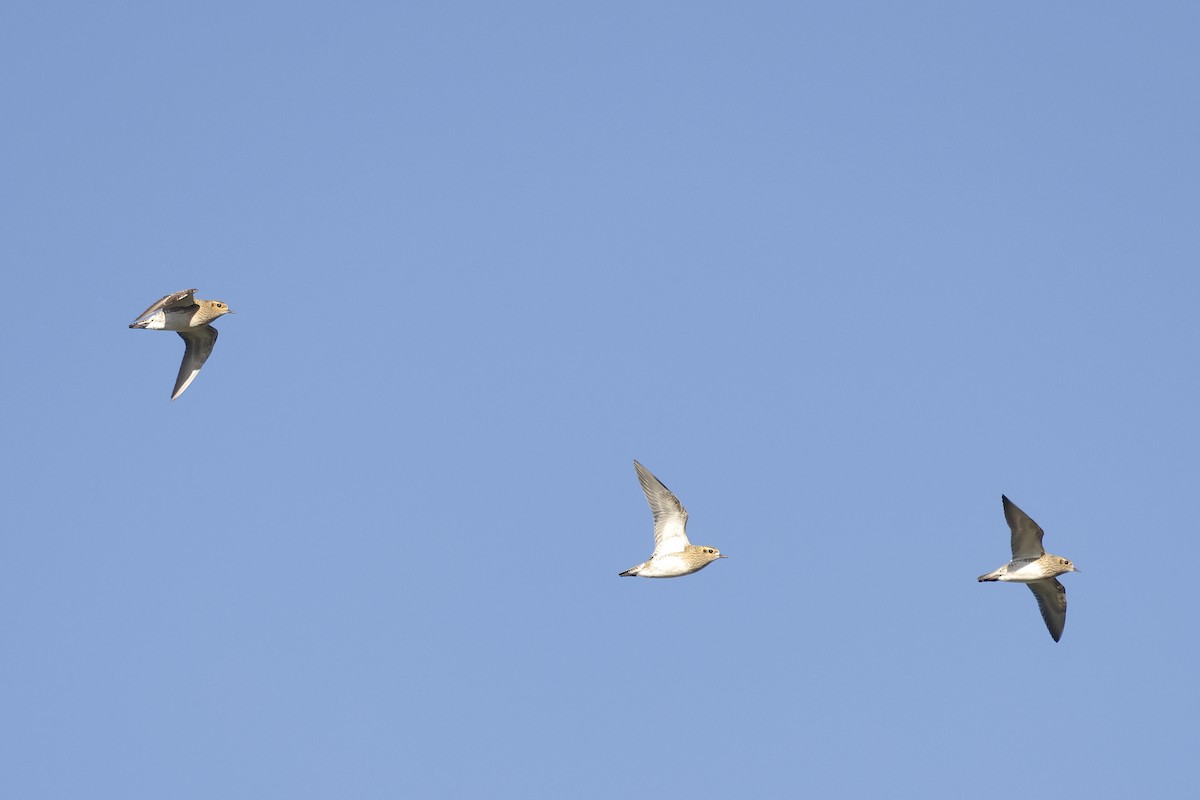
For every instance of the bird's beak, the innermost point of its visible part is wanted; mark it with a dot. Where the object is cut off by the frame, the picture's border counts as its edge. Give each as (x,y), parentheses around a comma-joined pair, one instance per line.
(1075,568)
(722,556)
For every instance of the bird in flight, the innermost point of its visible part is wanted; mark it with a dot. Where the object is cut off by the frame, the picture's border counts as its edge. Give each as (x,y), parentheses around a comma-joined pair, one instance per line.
(191,319)
(673,554)
(1034,567)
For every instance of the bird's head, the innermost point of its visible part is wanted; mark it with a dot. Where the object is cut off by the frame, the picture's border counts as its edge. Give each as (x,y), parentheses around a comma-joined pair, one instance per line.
(1065,565)
(706,554)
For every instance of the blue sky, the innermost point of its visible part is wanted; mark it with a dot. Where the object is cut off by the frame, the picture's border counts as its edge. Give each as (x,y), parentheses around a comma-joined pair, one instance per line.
(839,274)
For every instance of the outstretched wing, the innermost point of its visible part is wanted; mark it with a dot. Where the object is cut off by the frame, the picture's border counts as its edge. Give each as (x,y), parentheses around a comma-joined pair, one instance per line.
(198,343)
(1026,534)
(1052,600)
(180,299)
(670,517)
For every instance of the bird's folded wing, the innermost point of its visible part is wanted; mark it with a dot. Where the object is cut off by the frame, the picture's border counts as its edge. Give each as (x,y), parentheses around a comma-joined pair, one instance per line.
(185,298)
(198,343)
(670,517)
(1026,534)
(1052,600)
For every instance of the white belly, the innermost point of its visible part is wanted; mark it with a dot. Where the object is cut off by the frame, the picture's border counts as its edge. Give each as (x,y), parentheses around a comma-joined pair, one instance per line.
(1026,572)
(666,566)
(173,320)
(156,321)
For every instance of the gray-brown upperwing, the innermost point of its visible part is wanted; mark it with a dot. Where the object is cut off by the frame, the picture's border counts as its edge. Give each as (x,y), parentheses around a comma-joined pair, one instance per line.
(1026,534)
(1052,600)
(670,517)
(177,300)
(198,344)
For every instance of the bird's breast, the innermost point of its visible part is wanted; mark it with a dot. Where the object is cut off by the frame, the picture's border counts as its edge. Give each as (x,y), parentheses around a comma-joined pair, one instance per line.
(667,566)
(1023,572)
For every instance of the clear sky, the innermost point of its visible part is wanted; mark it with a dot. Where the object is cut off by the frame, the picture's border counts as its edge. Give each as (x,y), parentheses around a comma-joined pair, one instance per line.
(840,274)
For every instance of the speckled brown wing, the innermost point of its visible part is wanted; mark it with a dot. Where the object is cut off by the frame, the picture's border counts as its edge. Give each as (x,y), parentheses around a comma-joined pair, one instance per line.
(1052,600)
(670,517)
(177,300)
(198,344)
(1026,534)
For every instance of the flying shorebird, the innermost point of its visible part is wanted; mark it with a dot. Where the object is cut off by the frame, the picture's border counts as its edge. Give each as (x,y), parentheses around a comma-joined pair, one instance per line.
(1036,568)
(673,554)
(191,319)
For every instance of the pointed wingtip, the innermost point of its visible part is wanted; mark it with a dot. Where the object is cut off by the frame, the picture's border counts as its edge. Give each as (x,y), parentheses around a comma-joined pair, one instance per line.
(182,386)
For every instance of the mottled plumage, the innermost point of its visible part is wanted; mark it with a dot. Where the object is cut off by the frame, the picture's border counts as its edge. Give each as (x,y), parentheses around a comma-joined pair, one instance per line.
(1036,568)
(191,319)
(673,554)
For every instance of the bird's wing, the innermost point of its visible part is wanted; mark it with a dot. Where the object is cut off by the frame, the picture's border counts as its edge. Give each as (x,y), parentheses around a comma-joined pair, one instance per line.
(670,517)
(1052,600)
(1026,534)
(198,343)
(180,299)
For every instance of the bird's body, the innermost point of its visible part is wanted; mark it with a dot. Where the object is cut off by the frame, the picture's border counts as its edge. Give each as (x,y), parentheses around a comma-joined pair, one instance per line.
(1027,570)
(672,565)
(180,319)
(673,554)
(191,318)
(1036,568)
